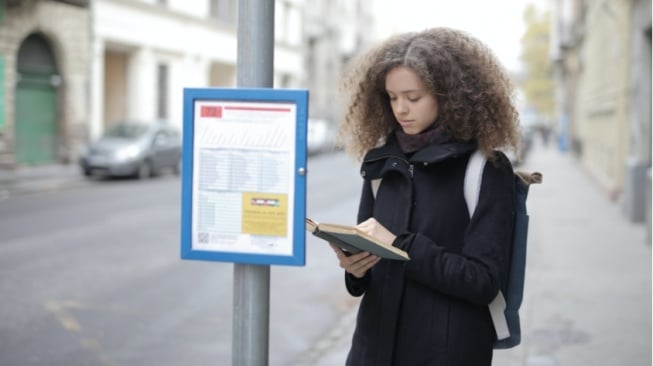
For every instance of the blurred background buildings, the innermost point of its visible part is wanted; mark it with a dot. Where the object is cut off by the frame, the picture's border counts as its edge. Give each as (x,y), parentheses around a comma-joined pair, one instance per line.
(71,68)
(601,53)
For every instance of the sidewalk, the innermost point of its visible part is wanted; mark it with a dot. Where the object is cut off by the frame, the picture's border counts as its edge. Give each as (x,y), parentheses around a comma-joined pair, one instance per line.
(588,288)
(31,179)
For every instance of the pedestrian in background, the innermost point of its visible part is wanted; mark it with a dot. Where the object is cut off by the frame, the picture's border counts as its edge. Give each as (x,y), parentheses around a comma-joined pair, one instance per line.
(418,106)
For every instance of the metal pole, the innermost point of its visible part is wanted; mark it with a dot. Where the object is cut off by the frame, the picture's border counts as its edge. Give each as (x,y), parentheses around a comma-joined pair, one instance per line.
(255,43)
(251,315)
(252,282)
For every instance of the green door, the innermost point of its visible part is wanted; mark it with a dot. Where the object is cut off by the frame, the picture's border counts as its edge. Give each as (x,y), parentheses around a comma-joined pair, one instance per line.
(35,125)
(36,120)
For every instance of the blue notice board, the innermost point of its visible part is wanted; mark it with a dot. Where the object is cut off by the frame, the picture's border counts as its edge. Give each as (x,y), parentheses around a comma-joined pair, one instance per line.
(244,175)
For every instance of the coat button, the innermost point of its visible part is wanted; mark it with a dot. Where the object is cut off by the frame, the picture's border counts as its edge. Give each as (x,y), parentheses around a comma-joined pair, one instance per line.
(394,164)
(426,163)
(362,173)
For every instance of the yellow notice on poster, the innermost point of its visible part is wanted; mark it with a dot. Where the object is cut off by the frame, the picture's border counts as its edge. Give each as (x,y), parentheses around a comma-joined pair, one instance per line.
(265,214)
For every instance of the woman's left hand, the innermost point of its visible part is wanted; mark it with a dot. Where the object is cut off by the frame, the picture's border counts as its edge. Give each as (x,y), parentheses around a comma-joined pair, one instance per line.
(373,228)
(357,264)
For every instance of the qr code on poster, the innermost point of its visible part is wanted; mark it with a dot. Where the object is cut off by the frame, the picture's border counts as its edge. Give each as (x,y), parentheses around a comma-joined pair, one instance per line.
(202,238)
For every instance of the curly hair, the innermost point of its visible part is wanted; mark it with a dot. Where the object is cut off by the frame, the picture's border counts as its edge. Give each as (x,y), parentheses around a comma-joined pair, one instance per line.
(473,91)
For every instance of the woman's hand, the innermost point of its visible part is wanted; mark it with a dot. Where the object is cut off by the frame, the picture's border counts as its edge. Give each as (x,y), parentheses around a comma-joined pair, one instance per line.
(372,227)
(357,264)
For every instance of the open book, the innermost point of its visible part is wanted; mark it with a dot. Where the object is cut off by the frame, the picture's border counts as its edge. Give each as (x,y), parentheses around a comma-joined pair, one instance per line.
(352,240)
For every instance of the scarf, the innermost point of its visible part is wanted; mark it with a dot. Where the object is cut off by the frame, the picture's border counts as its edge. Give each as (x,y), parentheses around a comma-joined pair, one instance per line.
(411,143)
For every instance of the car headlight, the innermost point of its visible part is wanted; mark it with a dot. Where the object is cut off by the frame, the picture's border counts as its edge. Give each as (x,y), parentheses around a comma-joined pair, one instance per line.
(127,153)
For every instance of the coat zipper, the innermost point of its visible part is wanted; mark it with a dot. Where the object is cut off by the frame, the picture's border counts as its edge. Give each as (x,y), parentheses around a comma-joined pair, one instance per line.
(411,169)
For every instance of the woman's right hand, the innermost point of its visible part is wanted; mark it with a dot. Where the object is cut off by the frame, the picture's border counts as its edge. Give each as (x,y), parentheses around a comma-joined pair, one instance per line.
(357,264)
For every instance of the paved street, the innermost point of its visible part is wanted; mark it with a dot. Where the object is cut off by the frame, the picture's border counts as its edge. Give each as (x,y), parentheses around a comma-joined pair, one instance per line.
(91,275)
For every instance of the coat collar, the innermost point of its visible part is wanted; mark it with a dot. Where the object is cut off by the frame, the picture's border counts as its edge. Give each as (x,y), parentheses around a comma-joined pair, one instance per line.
(429,154)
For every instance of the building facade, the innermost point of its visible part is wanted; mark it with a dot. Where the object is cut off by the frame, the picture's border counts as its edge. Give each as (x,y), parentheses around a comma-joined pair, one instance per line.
(145,53)
(89,64)
(334,32)
(44,73)
(602,53)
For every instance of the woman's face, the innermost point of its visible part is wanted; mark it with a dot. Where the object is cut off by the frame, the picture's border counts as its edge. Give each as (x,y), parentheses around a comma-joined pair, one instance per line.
(413,105)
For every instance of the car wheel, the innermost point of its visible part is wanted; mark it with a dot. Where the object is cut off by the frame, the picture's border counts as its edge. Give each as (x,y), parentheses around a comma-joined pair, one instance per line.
(144,170)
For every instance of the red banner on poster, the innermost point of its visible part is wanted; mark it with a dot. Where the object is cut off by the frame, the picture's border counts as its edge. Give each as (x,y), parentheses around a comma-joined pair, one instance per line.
(211,111)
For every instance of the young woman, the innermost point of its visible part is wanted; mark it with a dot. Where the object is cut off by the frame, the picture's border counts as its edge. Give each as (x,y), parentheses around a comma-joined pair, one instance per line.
(419,105)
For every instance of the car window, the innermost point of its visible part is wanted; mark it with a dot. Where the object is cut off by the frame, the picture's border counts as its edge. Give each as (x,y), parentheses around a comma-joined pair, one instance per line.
(127,130)
(172,134)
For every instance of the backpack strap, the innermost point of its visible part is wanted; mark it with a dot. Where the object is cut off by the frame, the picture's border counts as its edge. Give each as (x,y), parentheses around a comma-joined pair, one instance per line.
(472,189)
(473,177)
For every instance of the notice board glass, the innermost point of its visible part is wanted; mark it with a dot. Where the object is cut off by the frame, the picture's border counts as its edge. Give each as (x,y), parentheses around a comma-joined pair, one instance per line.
(244,175)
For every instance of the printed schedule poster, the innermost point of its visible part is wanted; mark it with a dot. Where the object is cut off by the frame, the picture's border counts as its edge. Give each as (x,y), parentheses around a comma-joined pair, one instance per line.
(246,193)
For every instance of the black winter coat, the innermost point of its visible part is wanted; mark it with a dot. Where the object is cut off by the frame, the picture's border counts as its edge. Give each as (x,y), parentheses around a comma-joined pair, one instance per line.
(433,309)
